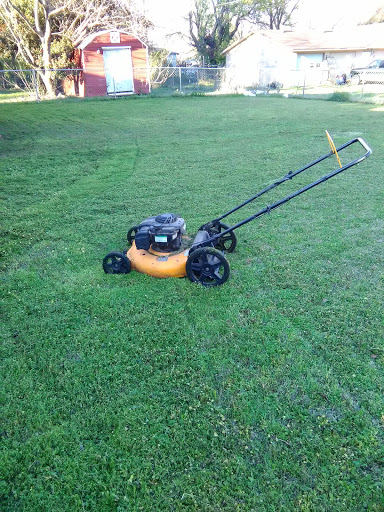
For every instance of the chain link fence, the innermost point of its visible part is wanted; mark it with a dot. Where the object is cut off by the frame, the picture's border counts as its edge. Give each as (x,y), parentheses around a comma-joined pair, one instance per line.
(27,84)
(186,80)
(368,87)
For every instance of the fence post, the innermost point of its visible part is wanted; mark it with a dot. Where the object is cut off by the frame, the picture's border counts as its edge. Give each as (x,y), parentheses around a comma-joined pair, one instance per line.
(114,87)
(362,84)
(180,77)
(35,84)
(304,84)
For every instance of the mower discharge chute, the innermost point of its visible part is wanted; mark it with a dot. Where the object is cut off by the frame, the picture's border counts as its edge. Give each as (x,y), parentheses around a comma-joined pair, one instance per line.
(157,242)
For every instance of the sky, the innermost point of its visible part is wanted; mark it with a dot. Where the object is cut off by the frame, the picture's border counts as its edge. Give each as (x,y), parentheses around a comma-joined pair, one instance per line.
(168,16)
(325,14)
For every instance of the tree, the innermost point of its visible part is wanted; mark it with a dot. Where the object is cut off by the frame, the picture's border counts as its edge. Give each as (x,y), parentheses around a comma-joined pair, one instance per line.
(45,31)
(378,17)
(212,26)
(273,14)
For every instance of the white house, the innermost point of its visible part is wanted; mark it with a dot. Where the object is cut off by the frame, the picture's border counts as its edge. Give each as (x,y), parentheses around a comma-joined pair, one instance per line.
(266,56)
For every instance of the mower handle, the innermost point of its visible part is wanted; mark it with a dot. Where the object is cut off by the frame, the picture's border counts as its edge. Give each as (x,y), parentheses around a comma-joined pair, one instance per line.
(361,158)
(292,174)
(287,177)
(365,146)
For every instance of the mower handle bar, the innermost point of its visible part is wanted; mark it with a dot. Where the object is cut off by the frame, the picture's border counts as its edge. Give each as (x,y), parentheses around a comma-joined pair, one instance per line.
(285,178)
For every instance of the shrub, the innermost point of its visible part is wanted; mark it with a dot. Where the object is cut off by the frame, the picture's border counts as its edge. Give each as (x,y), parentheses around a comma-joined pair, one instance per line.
(340,96)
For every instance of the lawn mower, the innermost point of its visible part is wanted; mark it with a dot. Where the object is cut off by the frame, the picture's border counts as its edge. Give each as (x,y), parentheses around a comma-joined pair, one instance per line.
(158,243)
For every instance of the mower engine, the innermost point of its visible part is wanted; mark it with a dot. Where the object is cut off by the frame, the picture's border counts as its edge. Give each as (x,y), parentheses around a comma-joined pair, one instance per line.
(162,232)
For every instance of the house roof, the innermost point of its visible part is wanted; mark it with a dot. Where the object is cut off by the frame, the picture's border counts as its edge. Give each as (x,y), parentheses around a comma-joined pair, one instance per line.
(91,37)
(362,37)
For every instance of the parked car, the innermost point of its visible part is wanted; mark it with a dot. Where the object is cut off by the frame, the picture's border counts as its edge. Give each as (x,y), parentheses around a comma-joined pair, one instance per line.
(374,72)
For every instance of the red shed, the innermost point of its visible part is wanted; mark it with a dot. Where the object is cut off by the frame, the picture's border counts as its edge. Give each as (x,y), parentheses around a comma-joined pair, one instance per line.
(113,63)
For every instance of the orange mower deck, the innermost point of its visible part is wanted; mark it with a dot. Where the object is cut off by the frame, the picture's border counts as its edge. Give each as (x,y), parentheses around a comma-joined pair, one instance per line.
(158,264)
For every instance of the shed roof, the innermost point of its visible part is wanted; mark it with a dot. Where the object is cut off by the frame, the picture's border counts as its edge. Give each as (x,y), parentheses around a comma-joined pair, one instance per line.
(362,37)
(91,37)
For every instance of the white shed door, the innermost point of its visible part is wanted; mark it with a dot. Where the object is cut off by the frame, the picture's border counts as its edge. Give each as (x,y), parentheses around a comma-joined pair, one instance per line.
(118,70)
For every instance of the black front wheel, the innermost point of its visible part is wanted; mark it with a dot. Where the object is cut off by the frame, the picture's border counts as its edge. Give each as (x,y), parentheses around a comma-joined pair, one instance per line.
(207,266)
(116,263)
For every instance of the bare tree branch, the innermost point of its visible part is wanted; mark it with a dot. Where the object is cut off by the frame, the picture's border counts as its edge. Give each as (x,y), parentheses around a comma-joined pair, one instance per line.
(8,6)
(272,14)
(56,11)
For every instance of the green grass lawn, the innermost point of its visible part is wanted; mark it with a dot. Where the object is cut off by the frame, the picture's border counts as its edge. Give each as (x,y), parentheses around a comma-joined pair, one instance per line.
(128,393)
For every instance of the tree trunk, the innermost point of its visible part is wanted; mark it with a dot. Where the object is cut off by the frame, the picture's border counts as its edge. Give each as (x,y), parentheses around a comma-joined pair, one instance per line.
(45,38)
(45,76)
(46,73)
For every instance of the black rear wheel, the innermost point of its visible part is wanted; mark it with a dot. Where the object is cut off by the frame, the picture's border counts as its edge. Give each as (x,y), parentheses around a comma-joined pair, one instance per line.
(131,234)
(116,263)
(228,241)
(207,266)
